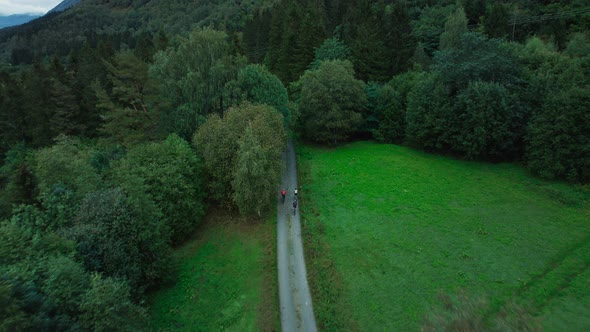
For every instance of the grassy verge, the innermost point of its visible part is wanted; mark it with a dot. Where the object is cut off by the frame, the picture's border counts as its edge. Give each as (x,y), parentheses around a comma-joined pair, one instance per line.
(387,228)
(226,279)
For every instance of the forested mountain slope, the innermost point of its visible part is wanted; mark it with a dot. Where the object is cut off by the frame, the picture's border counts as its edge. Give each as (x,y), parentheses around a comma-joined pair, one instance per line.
(65,4)
(121,22)
(12,20)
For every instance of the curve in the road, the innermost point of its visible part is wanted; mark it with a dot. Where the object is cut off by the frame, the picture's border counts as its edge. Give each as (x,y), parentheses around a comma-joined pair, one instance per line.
(295,298)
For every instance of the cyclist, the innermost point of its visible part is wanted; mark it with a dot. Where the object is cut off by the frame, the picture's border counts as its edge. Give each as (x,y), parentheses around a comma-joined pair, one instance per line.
(295,193)
(294,206)
(283,193)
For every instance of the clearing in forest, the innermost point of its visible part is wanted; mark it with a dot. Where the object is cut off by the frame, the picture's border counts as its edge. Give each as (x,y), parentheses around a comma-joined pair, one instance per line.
(387,228)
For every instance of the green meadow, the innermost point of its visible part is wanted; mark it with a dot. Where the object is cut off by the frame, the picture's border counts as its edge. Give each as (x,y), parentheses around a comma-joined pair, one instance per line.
(225,280)
(387,229)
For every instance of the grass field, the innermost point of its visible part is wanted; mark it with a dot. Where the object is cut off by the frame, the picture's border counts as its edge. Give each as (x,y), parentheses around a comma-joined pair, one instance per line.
(387,228)
(226,280)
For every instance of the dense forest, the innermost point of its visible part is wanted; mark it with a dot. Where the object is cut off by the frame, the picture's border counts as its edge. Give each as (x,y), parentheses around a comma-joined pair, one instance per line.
(122,121)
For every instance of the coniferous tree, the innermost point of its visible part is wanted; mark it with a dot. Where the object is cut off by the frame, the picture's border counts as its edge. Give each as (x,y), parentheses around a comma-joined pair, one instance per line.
(36,95)
(398,37)
(128,117)
(474,10)
(310,35)
(496,20)
(13,119)
(363,32)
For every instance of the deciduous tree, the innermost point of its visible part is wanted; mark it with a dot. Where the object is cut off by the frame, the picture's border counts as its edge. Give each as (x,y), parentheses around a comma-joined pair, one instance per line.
(331,102)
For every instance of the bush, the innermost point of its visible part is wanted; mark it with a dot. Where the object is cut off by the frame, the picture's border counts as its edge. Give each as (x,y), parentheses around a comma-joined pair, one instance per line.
(427,116)
(477,59)
(331,102)
(170,174)
(487,123)
(390,115)
(122,237)
(559,139)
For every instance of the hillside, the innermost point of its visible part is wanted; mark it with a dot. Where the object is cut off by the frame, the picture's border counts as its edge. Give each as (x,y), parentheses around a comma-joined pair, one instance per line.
(64,5)
(120,21)
(12,20)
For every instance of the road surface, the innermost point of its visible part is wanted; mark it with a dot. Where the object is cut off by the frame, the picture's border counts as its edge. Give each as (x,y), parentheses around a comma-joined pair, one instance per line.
(295,299)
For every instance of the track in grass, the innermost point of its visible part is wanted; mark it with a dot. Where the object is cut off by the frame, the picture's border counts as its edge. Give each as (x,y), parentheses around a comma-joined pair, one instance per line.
(402,225)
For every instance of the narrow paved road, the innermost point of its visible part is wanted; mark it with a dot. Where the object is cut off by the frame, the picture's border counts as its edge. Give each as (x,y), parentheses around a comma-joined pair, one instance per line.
(295,299)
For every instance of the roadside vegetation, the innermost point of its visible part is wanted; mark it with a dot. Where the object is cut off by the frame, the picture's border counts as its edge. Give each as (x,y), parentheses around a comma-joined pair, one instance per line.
(392,233)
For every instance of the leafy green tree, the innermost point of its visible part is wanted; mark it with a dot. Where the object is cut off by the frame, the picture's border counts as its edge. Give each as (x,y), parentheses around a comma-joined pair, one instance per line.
(429,26)
(558,138)
(455,27)
(122,236)
(67,162)
(331,103)
(420,60)
(257,174)
(66,282)
(427,115)
(486,122)
(390,114)
(106,307)
(41,283)
(477,59)
(170,173)
(12,317)
(192,79)
(19,182)
(216,142)
(331,49)
(258,86)
(578,45)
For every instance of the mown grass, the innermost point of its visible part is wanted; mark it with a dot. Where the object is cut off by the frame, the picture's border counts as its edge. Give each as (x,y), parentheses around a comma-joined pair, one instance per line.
(226,279)
(387,228)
